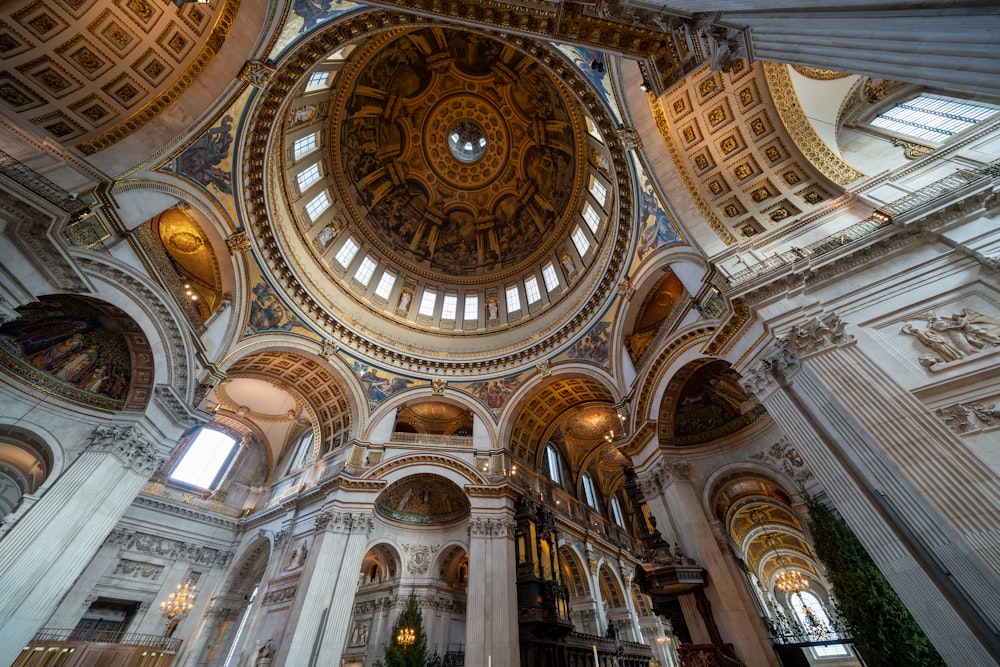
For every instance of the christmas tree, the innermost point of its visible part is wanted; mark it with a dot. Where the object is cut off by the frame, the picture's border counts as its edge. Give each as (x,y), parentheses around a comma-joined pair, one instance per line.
(408,647)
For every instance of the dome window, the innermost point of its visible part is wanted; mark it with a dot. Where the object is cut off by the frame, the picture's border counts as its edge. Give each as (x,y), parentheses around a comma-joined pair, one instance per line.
(466,141)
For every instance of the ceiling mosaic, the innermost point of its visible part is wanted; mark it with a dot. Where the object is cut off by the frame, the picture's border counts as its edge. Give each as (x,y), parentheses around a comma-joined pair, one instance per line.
(89,73)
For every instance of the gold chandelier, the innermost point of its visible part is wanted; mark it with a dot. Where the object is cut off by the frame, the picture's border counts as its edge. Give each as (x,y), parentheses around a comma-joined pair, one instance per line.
(406,636)
(791,581)
(180,602)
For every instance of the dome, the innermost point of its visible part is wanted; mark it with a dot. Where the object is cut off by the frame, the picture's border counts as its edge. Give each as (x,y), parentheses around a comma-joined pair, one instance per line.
(438,181)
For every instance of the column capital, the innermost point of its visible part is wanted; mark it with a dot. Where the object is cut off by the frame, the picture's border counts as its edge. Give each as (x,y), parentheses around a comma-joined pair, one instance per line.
(774,370)
(820,333)
(345,522)
(136,452)
(480,526)
(662,475)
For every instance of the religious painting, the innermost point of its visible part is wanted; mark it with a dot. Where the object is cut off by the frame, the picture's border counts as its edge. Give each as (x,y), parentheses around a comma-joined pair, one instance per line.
(72,348)
(494,393)
(423,499)
(594,346)
(657,228)
(378,387)
(592,65)
(208,161)
(268,313)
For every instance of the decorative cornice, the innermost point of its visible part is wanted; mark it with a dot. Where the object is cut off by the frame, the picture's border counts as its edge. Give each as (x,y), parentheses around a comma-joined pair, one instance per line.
(136,452)
(801,130)
(727,335)
(164,547)
(170,505)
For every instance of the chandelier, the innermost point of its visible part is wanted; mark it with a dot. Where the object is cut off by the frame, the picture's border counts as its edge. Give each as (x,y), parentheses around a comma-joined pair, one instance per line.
(406,636)
(180,602)
(791,581)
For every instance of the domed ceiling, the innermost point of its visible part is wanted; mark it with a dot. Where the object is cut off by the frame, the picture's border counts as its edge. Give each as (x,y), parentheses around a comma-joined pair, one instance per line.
(431,181)
(459,155)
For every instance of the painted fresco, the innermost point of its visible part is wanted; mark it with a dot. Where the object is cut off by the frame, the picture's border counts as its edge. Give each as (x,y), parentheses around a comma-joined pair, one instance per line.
(269,313)
(425,499)
(657,230)
(306,15)
(601,80)
(73,344)
(378,387)
(594,346)
(208,161)
(494,393)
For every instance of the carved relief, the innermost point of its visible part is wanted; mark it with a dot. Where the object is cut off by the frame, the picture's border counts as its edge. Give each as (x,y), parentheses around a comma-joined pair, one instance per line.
(483,527)
(279,595)
(344,522)
(954,337)
(418,557)
(963,418)
(783,456)
(137,569)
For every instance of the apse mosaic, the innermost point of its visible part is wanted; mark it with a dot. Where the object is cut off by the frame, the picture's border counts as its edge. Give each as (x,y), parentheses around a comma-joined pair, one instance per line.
(423,499)
(72,349)
(712,405)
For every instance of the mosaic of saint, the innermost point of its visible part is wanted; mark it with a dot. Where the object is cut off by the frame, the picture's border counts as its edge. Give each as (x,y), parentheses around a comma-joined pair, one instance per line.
(712,405)
(71,342)
(423,499)
(458,209)
(594,346)
(208,161)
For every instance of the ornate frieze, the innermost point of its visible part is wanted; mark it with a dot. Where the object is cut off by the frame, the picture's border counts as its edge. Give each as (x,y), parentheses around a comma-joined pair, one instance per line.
(491,527)
(136,569)
(426,601)
(344,522)
(965,418)
(164,547)
(279,595)
(419,556)
(137,453)
(784,457)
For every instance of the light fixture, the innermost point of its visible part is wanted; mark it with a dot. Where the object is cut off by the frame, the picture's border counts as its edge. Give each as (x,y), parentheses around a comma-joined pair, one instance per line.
(791,581)
(180,602)
(406,637)
(644,86)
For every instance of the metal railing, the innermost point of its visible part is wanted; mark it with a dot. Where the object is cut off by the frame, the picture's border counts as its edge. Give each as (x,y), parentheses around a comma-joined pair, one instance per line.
(880,219)
(158,642)
(406,438)
(21,173)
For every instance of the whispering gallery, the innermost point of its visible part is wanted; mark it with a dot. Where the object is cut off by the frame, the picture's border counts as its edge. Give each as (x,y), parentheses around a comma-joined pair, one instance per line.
(612,333)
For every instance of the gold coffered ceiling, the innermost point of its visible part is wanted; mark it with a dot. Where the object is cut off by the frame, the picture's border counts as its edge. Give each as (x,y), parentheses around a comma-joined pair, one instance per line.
(89,73)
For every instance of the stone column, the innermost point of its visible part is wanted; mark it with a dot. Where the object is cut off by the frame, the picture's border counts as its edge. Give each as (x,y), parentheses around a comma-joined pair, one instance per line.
(672,487)
(49,547)
(491,630)
(319,616)
(870,447)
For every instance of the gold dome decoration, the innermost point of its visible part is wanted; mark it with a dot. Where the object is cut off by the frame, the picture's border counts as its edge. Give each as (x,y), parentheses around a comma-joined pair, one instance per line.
(818,74)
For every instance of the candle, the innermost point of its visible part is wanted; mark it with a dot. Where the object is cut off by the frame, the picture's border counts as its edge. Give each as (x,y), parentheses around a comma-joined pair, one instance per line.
(489,661)
(596,660)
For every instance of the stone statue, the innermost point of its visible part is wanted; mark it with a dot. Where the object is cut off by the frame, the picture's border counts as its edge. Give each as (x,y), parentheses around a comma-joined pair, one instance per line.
(265,655)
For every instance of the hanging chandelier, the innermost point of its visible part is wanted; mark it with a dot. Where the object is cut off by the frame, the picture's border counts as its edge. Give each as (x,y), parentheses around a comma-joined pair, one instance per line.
(406,636)
(180,602)
(791,581)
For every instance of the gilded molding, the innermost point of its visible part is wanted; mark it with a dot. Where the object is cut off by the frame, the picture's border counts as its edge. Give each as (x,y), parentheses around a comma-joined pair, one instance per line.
(801,130)
(727,334)
(165,99)
(707,210)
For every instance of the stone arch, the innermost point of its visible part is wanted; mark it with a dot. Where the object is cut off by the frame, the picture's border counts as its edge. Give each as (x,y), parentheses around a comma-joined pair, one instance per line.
(82,350)
(611,588)
(457,472)
(26,463)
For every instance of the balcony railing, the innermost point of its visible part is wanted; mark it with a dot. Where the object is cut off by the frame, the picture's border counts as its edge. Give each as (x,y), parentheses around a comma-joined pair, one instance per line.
(69,647)
(879,220)
(406,438)
(108,637)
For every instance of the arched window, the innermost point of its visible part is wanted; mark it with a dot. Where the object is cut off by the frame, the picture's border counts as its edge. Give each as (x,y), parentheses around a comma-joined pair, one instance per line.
(811,614)
(206,459)
(303,449)
(589,492)
(616,512)
(932,117)
(554,463)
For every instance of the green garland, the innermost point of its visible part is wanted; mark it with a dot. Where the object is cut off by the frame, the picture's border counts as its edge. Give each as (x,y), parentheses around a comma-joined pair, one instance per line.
(884,632)
(411,655)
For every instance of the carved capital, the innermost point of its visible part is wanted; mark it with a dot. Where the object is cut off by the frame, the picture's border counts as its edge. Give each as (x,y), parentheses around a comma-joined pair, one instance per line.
(818,334)
(491,527)
(662,475)
(773,371)
(345,522)
(134,451)
(256,73)
(238,242)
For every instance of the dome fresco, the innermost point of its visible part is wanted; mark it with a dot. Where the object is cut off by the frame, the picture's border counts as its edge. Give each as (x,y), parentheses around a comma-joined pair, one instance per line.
(446,182)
